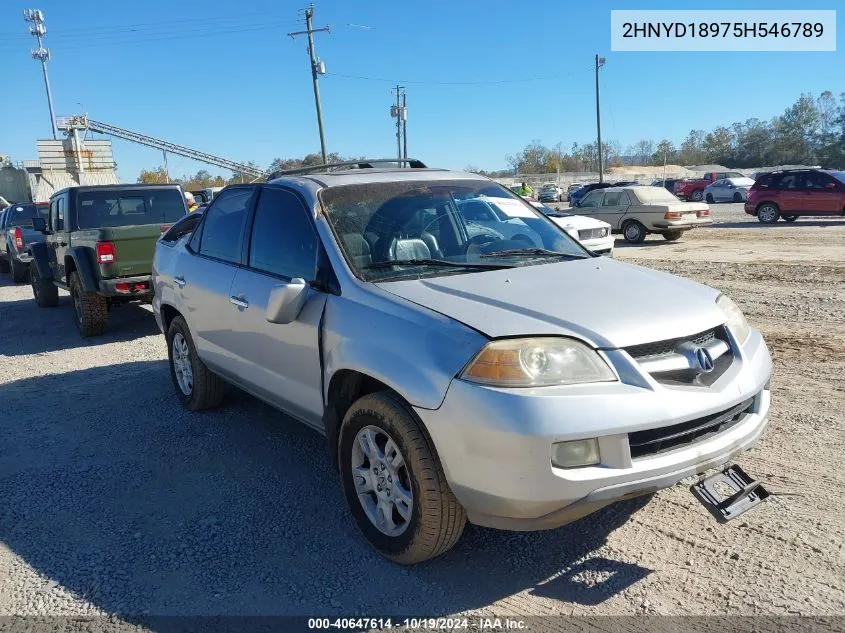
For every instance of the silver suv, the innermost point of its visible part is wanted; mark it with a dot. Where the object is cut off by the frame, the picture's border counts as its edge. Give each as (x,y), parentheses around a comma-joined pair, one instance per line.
(455,377)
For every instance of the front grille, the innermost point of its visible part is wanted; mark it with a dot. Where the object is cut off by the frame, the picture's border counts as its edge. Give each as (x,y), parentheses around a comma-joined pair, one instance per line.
(660,348)
(655,441)
(591,234)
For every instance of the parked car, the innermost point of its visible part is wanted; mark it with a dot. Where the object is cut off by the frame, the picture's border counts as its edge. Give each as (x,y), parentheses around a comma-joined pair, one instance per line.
(504,216)
(99,247)
(789,194)
(638,211)
(693,188)
(455,378)
(626,183)
(668,184)
(593,234)
(16,235)
(728,190)
(206,195)
(578,194)
(575,186)
(550,193)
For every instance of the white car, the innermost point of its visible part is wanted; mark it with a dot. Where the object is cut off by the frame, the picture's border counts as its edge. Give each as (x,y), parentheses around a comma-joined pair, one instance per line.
(593,234)
(728,190)
(505,216)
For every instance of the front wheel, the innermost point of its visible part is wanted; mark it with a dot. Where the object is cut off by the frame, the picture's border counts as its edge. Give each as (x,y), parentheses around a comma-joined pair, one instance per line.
(697,195)
(672,236)
(633,232)
(197,387)
(19,271)
(768,213)
(394,483)
(43,290)
(737,197)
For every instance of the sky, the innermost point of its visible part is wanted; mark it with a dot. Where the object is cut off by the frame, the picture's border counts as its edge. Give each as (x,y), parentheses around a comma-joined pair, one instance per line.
(483,79)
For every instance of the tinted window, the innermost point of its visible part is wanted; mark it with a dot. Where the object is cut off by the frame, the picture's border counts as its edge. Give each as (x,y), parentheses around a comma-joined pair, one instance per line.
(128,207)
(223,229)
(790,181)
(22,214)
(283,238)
(817,180)
(615,199)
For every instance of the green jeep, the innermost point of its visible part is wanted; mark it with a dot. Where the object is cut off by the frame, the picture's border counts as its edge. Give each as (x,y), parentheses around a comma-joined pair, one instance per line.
(99,247)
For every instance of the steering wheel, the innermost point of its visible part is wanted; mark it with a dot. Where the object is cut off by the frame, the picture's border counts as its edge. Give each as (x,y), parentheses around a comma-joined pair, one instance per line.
(475,244)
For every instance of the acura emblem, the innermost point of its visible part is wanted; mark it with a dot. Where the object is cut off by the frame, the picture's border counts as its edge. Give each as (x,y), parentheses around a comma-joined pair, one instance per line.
(705,360)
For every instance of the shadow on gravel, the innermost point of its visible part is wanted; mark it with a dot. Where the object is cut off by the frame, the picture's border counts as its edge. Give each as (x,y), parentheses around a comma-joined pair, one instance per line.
(28,329)
(112,491)
(812,223)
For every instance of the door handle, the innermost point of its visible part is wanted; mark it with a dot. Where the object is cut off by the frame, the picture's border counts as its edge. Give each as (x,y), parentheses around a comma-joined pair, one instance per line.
(62,243)
(241,303)
(180,281)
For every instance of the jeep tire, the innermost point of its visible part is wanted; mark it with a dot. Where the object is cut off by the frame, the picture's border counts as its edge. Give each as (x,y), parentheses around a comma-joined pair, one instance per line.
(91,309)
(43,290)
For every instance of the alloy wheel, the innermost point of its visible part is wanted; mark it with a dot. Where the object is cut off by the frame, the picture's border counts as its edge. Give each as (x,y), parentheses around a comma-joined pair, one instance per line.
(382,481)
(182,364)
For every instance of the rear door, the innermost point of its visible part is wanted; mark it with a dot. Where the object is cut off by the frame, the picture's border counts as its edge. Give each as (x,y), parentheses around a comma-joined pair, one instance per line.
(791,191)
(203,278)
(822,194)
(613,206)
(281,362)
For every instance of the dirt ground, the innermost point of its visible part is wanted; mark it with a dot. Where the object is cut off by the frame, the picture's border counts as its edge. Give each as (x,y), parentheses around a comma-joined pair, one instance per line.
(115,500)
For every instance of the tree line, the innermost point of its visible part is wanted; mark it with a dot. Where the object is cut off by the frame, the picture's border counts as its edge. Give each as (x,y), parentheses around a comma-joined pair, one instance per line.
(809,132)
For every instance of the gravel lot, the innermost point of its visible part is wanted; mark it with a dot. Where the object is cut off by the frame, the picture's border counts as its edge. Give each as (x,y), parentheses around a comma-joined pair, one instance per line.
(113,499)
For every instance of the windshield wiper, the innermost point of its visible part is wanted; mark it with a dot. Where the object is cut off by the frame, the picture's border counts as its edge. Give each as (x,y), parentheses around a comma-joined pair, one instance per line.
(389,263)
(534,252)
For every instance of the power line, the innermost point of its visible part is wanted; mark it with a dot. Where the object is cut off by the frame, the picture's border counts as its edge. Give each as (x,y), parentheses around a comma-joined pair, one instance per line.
(492,82)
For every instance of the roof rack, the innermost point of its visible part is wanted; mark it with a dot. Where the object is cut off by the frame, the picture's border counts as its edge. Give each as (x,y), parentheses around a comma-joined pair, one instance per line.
(365,163)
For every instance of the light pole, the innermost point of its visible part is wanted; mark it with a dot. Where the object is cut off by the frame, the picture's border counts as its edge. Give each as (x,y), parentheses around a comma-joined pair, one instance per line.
(599,63)
(36,18)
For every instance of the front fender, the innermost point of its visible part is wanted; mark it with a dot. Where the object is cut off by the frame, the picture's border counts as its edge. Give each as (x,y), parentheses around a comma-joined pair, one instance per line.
(414,351)
(41,259)
(84,268)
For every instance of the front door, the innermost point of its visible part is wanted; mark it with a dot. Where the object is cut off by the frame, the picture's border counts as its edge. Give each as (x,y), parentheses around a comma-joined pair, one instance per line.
(280,361)
(822,194)
(613,207)
(59,240)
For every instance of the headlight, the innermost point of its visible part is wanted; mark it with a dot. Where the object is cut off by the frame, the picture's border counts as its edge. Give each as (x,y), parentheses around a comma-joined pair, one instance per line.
(736,320)
(605,231)
(537,362)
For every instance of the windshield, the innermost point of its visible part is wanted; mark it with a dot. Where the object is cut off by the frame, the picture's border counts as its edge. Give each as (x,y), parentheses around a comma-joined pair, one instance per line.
(129,207)
(23,214)
(839,175)
(439,228)
(654,195)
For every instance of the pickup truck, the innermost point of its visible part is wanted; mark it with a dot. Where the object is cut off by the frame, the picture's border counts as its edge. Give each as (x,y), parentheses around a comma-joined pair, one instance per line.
(99,244)
(693,188)
(16,233)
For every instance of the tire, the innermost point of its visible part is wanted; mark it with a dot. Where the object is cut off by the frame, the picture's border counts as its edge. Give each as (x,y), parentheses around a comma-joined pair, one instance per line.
(672,236)
(45,293)
(709,198)
(697,195)
(91,309)
(4,265)
(633,232)
(20,272)
(790,218)
(737,197)
(768,213)
(207,389)
(435,519)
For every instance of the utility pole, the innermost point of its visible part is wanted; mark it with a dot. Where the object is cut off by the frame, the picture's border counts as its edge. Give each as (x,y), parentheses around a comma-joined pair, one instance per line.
(399,112)
(599,63)
(166,172)
(317,68)
(36,17)
(404,126)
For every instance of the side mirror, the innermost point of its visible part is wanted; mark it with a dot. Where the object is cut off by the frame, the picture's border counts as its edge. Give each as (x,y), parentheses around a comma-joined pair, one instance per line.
(286,301)
(830,185)
(39,224)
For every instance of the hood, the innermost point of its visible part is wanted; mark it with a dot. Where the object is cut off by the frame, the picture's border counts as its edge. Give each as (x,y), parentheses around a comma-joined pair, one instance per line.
(606,302)
(578,222)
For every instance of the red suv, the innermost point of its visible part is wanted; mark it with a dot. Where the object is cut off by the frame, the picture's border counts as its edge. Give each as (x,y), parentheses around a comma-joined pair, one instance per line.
(790,193)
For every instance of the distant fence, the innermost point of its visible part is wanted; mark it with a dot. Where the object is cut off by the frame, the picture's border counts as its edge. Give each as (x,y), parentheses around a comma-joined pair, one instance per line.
(582,177)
